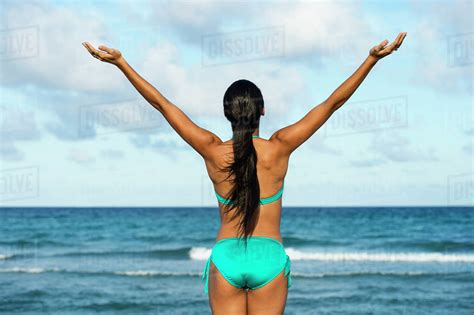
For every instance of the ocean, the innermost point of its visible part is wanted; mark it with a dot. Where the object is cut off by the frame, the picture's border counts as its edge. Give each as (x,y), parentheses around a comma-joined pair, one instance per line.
(378,260)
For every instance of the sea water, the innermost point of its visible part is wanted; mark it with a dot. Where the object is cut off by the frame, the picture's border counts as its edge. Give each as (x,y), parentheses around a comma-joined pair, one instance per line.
(411,260)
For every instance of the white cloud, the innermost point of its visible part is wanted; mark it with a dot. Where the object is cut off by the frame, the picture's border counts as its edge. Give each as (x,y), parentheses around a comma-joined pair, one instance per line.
(199,90)
(433,38)
(10,152)
(62,62)
(310,26)
(17,125)
(394,147)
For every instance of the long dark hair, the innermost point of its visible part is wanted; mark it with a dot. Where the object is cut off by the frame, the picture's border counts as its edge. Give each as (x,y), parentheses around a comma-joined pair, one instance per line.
(243,106)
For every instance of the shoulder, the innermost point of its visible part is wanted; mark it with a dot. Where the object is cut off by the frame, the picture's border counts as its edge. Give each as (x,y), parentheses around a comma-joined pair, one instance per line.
(215,148)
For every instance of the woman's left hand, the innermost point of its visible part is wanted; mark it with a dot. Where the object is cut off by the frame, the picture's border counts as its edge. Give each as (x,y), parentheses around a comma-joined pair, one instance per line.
(105,54)
(382,49)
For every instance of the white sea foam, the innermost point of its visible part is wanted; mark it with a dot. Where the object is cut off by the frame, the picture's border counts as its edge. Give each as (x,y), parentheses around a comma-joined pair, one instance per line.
(5,257)
(364,273)
(136,273)
(381,256)
(23,270)
(202,253)
(144,273)
(153,273)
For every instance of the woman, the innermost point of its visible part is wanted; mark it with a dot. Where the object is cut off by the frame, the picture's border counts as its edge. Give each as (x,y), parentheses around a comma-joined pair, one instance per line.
(248,270)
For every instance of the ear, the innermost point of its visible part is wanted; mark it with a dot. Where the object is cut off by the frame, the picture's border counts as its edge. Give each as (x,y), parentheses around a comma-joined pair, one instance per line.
(263,112)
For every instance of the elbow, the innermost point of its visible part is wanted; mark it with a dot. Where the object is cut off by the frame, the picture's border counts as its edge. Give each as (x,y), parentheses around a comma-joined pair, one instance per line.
(338,105)
(160,106)
(156,105)
(334,105)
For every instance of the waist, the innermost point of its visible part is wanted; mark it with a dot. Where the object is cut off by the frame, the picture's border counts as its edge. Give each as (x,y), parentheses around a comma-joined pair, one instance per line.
(277,239)
(265,227)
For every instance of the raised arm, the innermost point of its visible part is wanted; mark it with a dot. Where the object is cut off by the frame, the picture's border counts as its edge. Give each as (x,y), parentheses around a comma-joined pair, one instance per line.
(199,138)
(292,136)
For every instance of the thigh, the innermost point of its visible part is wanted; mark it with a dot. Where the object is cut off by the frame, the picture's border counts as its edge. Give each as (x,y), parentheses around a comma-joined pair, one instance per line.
(269,299)
(224,297)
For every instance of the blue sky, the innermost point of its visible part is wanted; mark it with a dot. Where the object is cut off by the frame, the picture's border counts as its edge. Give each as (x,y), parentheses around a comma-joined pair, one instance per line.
(75,132)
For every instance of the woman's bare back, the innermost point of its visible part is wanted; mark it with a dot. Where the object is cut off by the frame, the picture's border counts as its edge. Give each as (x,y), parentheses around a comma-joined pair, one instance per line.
(271,170)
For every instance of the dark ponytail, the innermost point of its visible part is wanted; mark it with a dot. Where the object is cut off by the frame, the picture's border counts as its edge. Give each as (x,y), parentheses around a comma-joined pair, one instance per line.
(243,106)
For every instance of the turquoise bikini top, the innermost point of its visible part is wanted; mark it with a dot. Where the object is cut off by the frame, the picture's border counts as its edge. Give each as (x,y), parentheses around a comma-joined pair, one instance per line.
(263,201)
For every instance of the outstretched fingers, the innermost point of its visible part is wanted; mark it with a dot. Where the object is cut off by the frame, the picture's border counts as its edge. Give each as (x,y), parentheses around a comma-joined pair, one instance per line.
(400,39)
(106,49)
(395,44)
(380,46)
(94,52)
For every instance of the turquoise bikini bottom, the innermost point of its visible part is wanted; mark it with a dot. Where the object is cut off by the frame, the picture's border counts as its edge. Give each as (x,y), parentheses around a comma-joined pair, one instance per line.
(252,267)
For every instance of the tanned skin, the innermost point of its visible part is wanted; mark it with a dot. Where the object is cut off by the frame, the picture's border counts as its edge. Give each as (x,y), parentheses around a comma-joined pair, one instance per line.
(273,158)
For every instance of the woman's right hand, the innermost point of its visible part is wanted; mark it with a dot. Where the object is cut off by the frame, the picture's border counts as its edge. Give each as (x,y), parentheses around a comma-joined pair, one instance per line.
(105,53)
(382,50)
